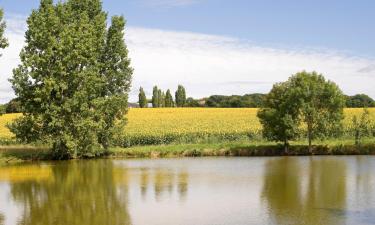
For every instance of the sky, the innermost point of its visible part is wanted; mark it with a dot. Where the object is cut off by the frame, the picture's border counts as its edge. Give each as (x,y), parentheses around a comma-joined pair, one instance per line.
(229,47)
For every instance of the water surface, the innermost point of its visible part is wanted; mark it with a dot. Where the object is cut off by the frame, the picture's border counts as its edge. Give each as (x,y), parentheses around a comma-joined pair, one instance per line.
(204,191)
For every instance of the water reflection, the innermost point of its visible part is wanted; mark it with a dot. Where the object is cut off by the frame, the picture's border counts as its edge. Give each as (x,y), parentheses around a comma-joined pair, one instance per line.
(314,190)
(79,193)
(231,191)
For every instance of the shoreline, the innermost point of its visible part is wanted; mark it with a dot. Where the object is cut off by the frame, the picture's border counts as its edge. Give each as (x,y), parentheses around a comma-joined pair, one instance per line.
(28,153)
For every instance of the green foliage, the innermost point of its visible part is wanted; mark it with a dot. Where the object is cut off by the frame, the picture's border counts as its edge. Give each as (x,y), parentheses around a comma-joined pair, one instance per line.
(73,78)
(161,98)
(3,44)
(320,104)
(3,41)
(191,102)
(279,117)
(236,101)
(2,109)
(169,99)
(308,99)
(155,97)
(180,96)
(361,126)
(359,101)
(142,100)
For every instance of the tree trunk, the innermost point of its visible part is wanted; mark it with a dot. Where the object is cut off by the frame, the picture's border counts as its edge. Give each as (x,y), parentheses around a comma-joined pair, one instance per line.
(286,147)
(357,138)
(309,136)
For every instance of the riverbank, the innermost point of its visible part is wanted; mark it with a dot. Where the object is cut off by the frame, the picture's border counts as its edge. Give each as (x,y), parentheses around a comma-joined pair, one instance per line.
(20,153)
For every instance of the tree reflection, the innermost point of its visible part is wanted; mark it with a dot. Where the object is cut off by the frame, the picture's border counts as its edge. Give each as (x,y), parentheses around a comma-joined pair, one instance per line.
(79,192)
(282,189)
(1,219)
(305,193)
(163,182)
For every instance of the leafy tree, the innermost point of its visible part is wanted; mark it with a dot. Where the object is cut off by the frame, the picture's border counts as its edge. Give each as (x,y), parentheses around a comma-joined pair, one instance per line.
(169,99)
(155,97)
(142,98)
(320,104)
(361,126)
(180,96)
(279,117)
(73,78)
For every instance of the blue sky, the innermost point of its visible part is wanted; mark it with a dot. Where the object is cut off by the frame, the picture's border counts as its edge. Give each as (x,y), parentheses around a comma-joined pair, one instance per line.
(346,25)
(232,47)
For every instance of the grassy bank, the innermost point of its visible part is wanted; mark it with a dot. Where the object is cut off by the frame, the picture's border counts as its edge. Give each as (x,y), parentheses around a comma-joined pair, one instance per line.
(19,153)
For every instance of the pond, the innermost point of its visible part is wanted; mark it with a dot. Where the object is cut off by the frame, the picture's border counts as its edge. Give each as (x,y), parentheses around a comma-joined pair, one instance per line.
(196,191)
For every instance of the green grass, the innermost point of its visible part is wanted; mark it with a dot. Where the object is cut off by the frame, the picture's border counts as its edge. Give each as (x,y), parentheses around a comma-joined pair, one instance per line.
(20,153)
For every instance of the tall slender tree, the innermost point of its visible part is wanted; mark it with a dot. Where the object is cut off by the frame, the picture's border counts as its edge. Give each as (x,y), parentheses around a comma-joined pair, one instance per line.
(161,97)
(142,100)
(73,79)
(169,99)
(180,96)
(155,97)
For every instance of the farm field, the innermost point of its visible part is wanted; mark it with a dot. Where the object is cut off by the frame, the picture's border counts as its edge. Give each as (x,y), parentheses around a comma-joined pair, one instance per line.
(164,125)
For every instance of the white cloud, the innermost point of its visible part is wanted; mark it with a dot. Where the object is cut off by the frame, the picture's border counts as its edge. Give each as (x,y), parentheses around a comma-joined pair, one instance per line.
(208,64)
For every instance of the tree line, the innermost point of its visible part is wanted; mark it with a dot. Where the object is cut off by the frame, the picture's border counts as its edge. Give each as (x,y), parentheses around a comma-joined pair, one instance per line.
(163,99)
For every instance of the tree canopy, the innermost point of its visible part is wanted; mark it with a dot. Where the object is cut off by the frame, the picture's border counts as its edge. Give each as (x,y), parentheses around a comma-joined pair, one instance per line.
(73,79)
(305,99)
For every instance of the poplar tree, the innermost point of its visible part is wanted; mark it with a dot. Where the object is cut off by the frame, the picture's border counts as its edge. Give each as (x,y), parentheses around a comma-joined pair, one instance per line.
(142,100)
(161,98)
(180,96)
(73,79)
(155,97)
(169,99)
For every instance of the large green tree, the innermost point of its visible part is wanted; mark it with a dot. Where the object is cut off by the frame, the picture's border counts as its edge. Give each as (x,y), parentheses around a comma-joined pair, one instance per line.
(279,117)
(142,100)
(320,103)
(180,96)
(305,100)
(73,79)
